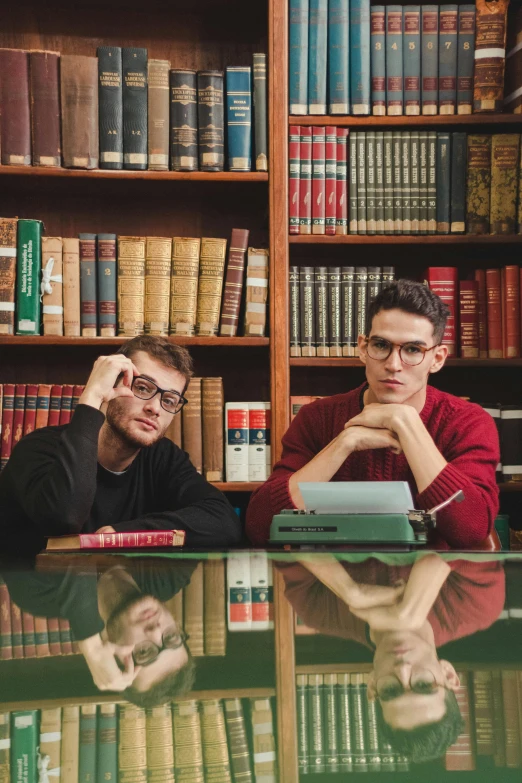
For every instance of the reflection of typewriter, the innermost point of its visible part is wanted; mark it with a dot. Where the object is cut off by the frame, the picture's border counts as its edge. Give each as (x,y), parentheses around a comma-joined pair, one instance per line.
(324,522)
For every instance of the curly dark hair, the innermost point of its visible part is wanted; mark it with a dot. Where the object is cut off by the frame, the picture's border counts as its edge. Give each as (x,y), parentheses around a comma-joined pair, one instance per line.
(412,297)
(173,685)
(161,349)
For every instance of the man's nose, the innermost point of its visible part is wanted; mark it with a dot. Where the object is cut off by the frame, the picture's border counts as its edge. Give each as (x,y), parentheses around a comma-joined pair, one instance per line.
(154,404)
(393,362)
(403,673)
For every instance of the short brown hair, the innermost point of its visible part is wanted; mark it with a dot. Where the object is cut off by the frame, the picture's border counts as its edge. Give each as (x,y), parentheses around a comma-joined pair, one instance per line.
(172,686)
(411,297)
(161,349)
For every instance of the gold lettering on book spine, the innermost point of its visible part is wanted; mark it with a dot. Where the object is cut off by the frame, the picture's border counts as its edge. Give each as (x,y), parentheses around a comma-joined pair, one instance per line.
(131,285)
(132,745)
(158,260)
(184,285)
(211,271)
(504,184)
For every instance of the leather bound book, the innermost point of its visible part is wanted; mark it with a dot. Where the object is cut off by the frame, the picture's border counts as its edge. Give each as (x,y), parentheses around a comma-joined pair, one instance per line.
(212,408)
(233,282)
(480,277)
(192,424)
(184,285)
(494,310)
(210,285)
(211,121)
(65,636)
(51,739)
(260,111)
(330,179)
(321,310)
(256,292)
(55,406)
(134,63)
(306,311)
(51,288)
(341,207)
(214,736)
(77,393)
(294,165)
(490,55)
(106,278)
(18,417)
(45,108)
(79,100)
(71,286)
(8,230)
(239,118)
(512,310)
(66,405)
(131,285)
(443,281)
(193,603)
(469,338)
(158,261)
(215,629)
(478,184)
(158,114)
(131,540)
(334,310)
(132,745)
(110,98)
(160,745)
(188,750)
(505,152)
(265,755)
(295,324)
(183,120)
(460,755)
(174,430)
(31,394)
(15,110)
(88,294)
(237,737)
(483,712)
(6,642)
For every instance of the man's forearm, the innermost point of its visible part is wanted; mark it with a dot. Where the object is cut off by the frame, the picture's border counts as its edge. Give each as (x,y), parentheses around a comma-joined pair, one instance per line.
(422,589)
(321,468)
(423,456)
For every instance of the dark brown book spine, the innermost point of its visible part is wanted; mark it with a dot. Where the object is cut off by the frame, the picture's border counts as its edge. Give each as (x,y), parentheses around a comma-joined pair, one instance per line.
(480,277)
(469,338)
(212,407)
(8,228)
(15,108)
(45,108)
(192,425)
(237,740)
(490,55)
(233,282)
(79,96)
(321,310)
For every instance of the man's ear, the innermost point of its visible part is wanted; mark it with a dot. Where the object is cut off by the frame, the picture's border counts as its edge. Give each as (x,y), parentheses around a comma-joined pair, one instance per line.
(440,354)
(371,691)
(451,676)
(361,342)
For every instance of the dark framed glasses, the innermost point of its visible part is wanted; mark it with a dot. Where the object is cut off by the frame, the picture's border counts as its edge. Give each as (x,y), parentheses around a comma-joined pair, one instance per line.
(145,389)
(147,652)
(422,681)
(412,354)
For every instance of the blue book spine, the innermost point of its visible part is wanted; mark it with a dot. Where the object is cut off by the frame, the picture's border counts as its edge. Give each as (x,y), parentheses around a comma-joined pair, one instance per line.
(378,59)
(239,118)
(394,72)
(298,57)
(317,52)
(412,60)
(448,24)
(360,56)
(338,57)
(443,182)
(465,59)
(430,58)
(106,279)
(459,154)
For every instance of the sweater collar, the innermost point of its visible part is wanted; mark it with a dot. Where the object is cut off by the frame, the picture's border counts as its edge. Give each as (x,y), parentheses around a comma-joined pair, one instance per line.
(425,412)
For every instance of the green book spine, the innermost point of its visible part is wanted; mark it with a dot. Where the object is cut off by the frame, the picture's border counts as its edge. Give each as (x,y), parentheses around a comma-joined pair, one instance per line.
(414,181)
(5,748)
(504,160)
(357,695)
(406,182)
(321,310)
(334,310)
(24,741)
(361,183)
(107,767)
(374,282)
(302,723)
(87,763)
(374,752)
(432,182)
(345,723)
(379,182)
(361,299)
(397,182)
(478,184)
(443,182)
(371,224)
(388,182)
(316,743)
(260,113)
(423,182)
(28,271)
(331,722)
(347,309)
(352,163)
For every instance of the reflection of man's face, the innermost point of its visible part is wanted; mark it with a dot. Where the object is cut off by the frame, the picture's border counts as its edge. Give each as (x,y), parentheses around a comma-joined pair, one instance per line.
(145,618)
(401,655)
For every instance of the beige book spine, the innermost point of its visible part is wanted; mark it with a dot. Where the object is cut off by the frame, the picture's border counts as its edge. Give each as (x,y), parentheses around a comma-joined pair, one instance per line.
(160,745)
(214,735)
(174,430)
(158,260)
(192,424)
(212,414)
(158,114)
(71,286)
(256,292)
(131,285)
(79,102)
(265,759)
(210,285)
(214,611)
(70,755)
(132,744)
(51,286)
(175,607)
(184,285)
(5,744)
(188,749)
(51,740)
(193,599)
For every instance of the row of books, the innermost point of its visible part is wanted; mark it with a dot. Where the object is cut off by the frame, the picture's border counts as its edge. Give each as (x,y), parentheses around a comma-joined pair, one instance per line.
(103,285)
(357,58)
(402,182)
(122,110)
(189,741)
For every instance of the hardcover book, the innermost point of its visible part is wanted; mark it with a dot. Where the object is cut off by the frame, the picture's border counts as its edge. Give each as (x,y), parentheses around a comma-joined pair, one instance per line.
(8,232)
(298,56)
(131,285)
(183,120)
(239,118)
(110,100)
(133,540)
(158,114)
(260,111)
(229,321)
(15,141)
(88,286)
(490,55)
(29,266)
(45,108)
(184,285)
(317,55)
(210,285)
(79,104)
(106,279)
(158,261)
(135,99)
(211,121)
(51,288)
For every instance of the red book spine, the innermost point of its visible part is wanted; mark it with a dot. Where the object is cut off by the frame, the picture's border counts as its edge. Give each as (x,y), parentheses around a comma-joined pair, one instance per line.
(6,639)
(460,755)
(480,277)
(305,181)
(65,636)
(77,393)
(29,639)
(443,281)
(14,108)
(65,409)
(7,423)
(318,180)
(31,395)
(494,309)
(512,308)
(294,165)
(341,205)
(138,538)
(469,324)
(330,179)
(55,406)
(18,416)
(53,627)
(42,637)
(17,631)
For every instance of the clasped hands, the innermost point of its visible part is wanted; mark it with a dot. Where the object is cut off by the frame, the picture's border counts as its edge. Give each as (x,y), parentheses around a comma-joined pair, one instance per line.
(378,426)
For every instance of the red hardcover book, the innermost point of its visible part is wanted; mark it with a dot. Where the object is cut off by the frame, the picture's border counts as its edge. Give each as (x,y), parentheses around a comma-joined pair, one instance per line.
(511,718)
(42,637)
(17,631)
(7,423)
(133,540)
(53,627)
(65,636)
(6,639)
(18,416)
(305,181)
(28,638)
(443,280)
(233,287)
(31,394)
(65,410)
(460,755)
(43,402)
(469,320)
(330,179)
(341,205)
(318,180)
(503,311)
(512,309)
(45,108)
(15,141)
(77,393)
(294,166)
(480,277)
(494,310)
(55,406)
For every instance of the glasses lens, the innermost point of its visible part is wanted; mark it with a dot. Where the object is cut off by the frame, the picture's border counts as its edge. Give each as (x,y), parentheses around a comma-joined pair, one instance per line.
(172,402)
(145,653)
(388,688)
(143,389)
(423,681)
(172,638)
(411,354)
(378,349)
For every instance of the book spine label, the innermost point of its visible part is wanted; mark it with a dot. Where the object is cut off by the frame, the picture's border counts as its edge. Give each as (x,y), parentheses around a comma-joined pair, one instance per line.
(414,182)
(360,759)
(107,743)
(210,285)
(478,184)
(135,92)
(346,728)
(379,182)
(295,323)
(334,310)
(378,59)
(371,223)
(239,118)
(330,179)
(331,722)
(347,310)
(432,182)
(298,59)
(236,427)
(423,182)
(260,111)
(211,121)
(106,275)
(444,282)
(184,285)
(443,182)
(294,165)
(158,261)
(51,287)
(212,426)
(30,408)
(306,311)
(79,106)
(352,164)
(8,231)
(361,183)
(28,271)
(7,423)
(505,153)
(412,60)
(469,338)
(45,108)
(394,66)
(234,282)
(405,182)
(430,58)
(317,53)
(316,727)
(183,120)
(15,142)
(397,182)
(158,114)
(305,182)
(465,59)
(143,538)
(512,307)
(361,300)
(43,402)
(458,183)
(89,305)
(360,73)
(448,30)
(131,285)
(110,107)
(24,741)
(318,180)
(490,55)
(258,442)
(338,57)
(65,409)
(388,182)
(71,286)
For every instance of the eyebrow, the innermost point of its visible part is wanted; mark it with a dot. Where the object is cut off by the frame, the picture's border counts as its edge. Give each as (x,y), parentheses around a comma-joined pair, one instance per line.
(407,342)
(148,378)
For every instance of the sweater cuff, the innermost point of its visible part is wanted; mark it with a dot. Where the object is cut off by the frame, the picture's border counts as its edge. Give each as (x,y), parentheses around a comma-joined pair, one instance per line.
(87,422)
(280,495)
(449,481)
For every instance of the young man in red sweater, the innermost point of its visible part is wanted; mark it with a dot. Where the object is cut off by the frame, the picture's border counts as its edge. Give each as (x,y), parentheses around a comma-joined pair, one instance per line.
(395,427)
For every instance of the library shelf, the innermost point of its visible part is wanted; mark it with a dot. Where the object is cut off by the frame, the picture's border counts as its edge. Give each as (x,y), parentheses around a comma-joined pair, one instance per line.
(41,340)
(189,176)
(406,239)
(424,121)
(354,361)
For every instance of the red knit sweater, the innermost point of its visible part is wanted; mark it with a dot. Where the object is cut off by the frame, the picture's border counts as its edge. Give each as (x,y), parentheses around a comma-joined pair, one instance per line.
(463,432)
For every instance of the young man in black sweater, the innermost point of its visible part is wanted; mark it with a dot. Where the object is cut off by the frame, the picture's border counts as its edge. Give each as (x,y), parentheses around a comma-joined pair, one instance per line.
(111,469)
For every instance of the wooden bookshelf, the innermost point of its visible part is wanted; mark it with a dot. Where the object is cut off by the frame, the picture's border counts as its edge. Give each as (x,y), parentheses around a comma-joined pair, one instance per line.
(237,486)
(125,176)
(353,361)
(459,121)
(406,239)
(81,342)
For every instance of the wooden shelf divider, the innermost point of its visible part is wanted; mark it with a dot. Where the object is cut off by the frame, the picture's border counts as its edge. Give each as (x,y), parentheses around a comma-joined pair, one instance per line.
(354,361)
(459,120)
(406,239)
(237,486)
(214,342)
(183,176)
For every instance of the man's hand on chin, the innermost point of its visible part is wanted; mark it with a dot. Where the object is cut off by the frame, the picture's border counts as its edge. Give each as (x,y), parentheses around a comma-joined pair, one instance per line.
(389,416)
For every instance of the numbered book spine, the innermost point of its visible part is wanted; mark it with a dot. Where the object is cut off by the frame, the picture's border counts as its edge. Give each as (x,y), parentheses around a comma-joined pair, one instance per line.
(234,282)
(505,153)
(184,285)
(295,323)
(331,179)
(210,285)
(107,284)
(334,310)
(361,300)
(338,57)
(135,91)
(414,181)
(71,286)
(45,108)
(158,254)
(294,165)
(378,59)
(361,182)
(352,170)
(260,111)
(448,25)
(88,285)
(110,100)
(478,184)
(239,118)
(430,58)
(298,59)
(28,272)
(406,182)
(256,292)
(397,182)
(379,182)
(347,310)
(15,140)
(305,182)
(8,231)
(321,310)
(211,137)
(423,182)
(318,180)
(158,114)
(432,183)
(317,54)
(458,183)
(465,59)
(389,227)
(412,60)
(490,56)
(51,289)
(131,285)
(371,223)
(307,311)
(394,65)
(360,56)
(183,120)
(443,182)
